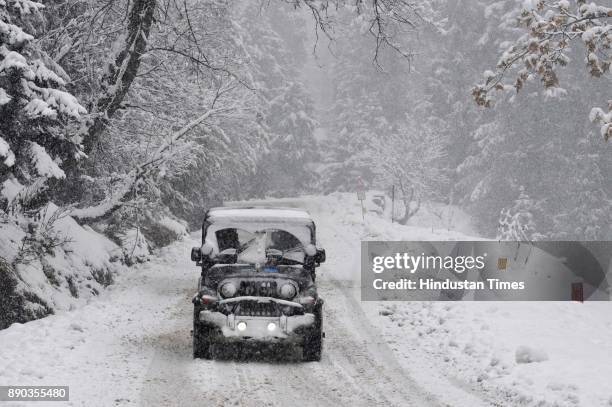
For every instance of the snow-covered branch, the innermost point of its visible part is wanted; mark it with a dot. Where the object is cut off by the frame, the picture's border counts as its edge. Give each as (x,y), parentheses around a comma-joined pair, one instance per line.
(122,70)
(136,176)
(604,119)
(550,28)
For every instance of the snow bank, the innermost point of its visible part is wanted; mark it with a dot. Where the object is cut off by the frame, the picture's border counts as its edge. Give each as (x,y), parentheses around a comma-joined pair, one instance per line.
(103,350)
(49,262)
(520,354)
(60,273)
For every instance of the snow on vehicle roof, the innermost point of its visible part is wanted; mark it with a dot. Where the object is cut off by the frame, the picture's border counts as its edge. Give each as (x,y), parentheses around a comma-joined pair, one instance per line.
(260,214)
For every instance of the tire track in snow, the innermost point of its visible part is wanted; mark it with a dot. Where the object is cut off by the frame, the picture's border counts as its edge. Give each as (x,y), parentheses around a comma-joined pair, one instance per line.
(349,373)
(365,356)
(357,368)
(167,382)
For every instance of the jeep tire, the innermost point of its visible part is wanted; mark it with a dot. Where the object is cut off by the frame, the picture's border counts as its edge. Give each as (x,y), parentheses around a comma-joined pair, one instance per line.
(313,342)
(201,341)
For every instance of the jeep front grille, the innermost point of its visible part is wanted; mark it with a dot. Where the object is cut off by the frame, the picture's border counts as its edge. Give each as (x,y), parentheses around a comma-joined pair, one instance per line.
(257,309)
(260,288)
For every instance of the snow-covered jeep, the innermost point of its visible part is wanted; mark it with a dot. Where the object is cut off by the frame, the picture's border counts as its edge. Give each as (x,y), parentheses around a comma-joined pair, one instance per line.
(258,280)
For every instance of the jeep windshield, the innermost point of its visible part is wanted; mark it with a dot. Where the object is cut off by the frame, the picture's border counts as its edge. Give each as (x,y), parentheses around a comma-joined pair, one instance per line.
(265,247)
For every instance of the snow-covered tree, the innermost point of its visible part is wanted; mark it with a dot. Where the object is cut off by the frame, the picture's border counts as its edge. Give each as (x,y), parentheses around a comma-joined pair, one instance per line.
(412,158)
(528,140)
(178,134)
(370,97)
(549,30)
(588,215)
(286,109)
(517,223)
(38,134)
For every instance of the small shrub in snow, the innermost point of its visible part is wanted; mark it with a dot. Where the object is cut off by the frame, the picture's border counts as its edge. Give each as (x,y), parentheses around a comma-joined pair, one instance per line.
(135,246)
(16,305)
(42,271)
(41,237)
(102,276)
(164,231)
(526,354)
(517,223)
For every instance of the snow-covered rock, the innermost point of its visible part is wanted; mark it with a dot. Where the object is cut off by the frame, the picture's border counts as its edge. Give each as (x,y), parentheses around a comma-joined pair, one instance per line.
(526,354)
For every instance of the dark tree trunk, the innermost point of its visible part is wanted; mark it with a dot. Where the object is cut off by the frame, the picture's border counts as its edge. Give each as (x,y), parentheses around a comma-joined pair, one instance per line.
(122,71)
(408,213)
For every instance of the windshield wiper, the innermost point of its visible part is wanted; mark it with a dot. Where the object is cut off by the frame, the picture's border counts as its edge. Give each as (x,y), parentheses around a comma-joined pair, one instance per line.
(245,245)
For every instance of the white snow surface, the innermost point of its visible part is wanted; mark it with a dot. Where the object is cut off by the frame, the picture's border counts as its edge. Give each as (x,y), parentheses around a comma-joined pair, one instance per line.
(131,346)
(74,274)
(258,214)
(5,151)
(12,60)
(10,189)
(45,165)
(14,35)
(4,97)
(178,228)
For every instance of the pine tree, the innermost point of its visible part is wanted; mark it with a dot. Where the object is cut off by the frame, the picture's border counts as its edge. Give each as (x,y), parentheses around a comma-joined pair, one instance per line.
(287,110)
(371,98)
(528,140)
(517,223)
(588,216)
(37,134)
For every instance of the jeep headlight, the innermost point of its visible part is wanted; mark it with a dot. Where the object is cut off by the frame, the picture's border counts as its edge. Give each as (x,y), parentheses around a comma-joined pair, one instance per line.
(228,290)
(287,291)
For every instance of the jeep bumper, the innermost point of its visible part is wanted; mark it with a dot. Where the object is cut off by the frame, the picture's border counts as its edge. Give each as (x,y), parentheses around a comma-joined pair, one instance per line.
(258,327)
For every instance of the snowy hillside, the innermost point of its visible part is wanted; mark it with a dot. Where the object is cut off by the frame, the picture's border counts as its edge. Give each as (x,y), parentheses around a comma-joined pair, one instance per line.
(57,264)
(60,266)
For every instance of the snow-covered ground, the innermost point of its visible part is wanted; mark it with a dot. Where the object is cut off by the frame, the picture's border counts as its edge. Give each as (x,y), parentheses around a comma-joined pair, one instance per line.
(132,345)
(67,275)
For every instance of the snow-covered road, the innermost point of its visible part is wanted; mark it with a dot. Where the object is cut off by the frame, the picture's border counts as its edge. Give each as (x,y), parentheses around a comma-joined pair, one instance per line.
(357,368)
(132,346)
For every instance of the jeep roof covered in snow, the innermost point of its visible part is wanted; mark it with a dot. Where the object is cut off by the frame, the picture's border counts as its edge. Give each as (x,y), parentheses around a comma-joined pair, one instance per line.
(258,280)
(282,217)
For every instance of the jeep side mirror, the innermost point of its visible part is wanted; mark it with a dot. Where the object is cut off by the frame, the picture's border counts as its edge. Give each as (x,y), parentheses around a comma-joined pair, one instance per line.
(196,254)
(320,256)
